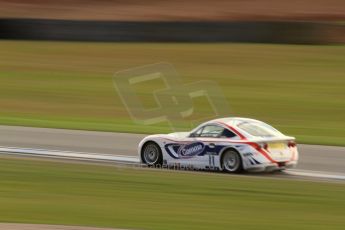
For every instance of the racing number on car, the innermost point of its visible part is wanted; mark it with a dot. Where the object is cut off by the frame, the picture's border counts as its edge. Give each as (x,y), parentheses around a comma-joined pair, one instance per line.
(211,161)
(211,153)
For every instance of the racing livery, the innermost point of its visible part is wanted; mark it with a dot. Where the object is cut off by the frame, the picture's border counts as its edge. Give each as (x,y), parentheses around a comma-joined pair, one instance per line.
(228,144)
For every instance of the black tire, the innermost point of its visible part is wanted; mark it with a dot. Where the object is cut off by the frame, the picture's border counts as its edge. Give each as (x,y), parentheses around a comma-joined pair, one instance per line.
(231,161)
(151,154)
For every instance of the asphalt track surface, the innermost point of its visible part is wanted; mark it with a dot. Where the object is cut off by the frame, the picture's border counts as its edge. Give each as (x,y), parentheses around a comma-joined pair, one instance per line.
(327,159)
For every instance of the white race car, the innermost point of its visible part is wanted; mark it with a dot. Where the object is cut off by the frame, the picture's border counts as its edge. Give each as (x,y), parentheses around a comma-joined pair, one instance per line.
(228,144)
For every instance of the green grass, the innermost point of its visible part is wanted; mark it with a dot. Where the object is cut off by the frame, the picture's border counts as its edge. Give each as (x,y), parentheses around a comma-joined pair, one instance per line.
(299,89)
(89,195)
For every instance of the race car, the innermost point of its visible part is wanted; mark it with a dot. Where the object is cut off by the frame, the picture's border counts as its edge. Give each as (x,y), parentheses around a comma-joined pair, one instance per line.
(228,144)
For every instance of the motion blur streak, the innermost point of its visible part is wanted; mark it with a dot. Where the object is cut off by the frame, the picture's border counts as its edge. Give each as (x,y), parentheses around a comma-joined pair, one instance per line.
(146,10)
(127,160)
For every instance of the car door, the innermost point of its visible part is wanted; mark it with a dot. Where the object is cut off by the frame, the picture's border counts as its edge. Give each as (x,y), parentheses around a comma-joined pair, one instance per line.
(210,137)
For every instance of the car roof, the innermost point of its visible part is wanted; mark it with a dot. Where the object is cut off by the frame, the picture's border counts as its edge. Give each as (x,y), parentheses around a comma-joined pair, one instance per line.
(232,121)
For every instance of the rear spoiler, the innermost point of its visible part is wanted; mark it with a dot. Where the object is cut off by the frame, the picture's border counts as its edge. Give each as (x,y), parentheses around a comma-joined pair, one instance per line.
(274,139)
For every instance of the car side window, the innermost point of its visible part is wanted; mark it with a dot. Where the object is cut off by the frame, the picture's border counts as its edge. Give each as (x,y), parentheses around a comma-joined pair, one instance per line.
(227,134)
(212,131)
(197,133)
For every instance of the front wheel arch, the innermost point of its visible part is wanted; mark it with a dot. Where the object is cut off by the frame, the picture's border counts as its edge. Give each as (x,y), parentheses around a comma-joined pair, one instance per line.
(160,160)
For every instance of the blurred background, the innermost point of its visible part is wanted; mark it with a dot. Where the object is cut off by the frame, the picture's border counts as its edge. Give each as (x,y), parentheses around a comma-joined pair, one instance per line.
(177,10)
(278,61)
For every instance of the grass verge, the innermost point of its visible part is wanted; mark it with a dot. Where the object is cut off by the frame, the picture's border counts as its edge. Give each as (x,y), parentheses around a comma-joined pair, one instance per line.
(297,88)
(75,194)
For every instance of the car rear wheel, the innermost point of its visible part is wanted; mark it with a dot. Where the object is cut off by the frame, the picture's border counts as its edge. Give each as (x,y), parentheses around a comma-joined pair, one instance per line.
(152,154)
(231,161)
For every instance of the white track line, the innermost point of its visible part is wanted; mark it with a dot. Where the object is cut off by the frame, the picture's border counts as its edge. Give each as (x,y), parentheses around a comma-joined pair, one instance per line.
(68,155)
(316,174)
(133,160)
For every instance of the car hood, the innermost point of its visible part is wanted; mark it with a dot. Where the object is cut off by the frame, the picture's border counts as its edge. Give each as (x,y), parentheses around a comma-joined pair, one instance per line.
(179,134)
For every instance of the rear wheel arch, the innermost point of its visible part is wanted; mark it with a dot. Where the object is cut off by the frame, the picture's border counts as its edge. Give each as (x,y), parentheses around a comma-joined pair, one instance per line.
(230,149)
(226,149)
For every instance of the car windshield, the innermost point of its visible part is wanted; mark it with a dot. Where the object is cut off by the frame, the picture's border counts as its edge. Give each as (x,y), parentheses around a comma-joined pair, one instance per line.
(258,129)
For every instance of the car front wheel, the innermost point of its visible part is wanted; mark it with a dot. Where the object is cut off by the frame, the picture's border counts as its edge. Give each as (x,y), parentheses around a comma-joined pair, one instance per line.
(152,154)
